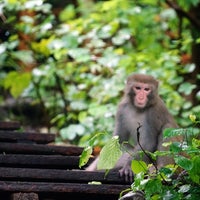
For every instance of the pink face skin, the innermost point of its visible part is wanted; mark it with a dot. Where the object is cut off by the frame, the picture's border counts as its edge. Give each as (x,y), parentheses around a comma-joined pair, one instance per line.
(142,90)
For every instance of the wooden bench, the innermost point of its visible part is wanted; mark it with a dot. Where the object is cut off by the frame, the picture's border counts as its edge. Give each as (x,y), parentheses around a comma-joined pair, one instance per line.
(32,168)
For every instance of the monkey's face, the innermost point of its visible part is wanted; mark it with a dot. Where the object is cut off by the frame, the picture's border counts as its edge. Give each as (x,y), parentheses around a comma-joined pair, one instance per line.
(141,91)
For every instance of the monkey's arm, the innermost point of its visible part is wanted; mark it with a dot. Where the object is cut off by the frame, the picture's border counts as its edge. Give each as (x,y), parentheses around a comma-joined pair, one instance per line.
(122,130)
(164,120)
(93,165)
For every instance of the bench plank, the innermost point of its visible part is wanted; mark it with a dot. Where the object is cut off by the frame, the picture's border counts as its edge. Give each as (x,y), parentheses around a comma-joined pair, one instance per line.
(12,186)
(9,125)
(58,175)
(40,138)
(39,161)
(25,148)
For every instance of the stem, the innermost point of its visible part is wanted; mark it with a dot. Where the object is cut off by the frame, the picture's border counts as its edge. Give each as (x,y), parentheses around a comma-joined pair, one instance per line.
(148,156)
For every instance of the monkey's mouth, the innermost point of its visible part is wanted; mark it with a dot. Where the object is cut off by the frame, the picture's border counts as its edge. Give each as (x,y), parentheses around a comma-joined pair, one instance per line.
(140,104)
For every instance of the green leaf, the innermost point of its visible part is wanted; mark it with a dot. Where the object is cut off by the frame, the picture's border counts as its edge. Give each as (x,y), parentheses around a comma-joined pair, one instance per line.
(78,105)
(97,110)
(171,132)
(109,154)
(70,41)
(85,156)
(121,37)
(67,13)
(17,82)
(72,131)
(186,88)
(138,166)
(109,29)
(184,162)
(92,141)
(80,54)
(193,118)
(167,170)
(94,183)
(195,142)
(195,171)
(176,147)
(153,186)
(184,188)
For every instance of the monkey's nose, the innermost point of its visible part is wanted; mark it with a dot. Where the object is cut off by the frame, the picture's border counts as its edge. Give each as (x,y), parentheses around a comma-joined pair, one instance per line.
(141,96)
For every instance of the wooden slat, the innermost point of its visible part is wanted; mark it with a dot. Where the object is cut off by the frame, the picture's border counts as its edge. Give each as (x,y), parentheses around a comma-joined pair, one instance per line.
(23,148)
(28,164)
(12,186)
(11,136)
(24,196)
(39,161)
(12,125)
(57,175)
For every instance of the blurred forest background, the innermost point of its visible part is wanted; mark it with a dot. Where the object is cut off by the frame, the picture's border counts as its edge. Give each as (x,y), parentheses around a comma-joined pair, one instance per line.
(63,64)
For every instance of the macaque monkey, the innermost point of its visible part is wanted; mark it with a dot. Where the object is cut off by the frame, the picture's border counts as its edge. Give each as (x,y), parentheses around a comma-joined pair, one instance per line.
(142,105)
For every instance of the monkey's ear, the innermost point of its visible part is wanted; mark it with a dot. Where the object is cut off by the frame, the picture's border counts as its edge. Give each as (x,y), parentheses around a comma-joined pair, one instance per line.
(157,84)
(128,81)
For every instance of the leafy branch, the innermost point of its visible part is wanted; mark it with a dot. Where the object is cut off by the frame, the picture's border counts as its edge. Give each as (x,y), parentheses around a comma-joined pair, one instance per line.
(148,156)
(183,13)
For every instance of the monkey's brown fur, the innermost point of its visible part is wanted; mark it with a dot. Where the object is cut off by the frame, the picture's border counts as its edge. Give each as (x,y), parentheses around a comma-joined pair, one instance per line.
(151,113)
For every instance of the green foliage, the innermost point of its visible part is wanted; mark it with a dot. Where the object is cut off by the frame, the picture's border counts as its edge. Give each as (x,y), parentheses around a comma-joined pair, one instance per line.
(183,162)
(84,158)
(75,64)
(109,154)
(194,172)
(175,181)
(78,61)
(188,4)
(162,184)
(71,131)
(22,80)
(138,166)
(88,150)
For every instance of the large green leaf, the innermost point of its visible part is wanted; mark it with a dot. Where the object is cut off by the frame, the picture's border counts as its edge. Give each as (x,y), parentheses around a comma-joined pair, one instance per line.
(109,154)
(138,166)
(184,162)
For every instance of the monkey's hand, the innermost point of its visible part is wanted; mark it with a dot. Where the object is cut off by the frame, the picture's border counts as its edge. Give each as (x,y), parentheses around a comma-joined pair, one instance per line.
(126,172)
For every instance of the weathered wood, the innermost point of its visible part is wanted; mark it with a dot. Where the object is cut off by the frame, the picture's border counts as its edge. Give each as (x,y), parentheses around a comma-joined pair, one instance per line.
(24,196)
(24,148)
(12,125)
(39,161)
(30,168)
(40,138)
(12,186)
(56,175)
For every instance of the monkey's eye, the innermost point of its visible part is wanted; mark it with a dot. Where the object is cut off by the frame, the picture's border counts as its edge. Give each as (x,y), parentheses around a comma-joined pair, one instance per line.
(147,89)
(138,88)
